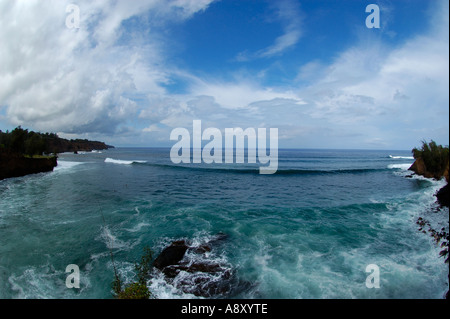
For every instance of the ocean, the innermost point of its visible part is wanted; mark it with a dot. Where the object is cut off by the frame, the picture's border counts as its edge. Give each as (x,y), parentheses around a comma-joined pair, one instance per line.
(307,232)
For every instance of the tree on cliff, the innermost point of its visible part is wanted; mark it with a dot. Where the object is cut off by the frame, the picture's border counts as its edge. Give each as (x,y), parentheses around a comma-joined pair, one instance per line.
(21,141)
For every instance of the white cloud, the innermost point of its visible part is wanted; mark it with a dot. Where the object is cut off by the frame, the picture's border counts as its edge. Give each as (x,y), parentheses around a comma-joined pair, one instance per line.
(242,94)
(88,81)
(372,95)
(361,89)
(80,80)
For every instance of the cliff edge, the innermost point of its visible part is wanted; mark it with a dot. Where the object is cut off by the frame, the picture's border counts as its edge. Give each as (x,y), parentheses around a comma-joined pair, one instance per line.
(432,161)
(16,165)
(419,167)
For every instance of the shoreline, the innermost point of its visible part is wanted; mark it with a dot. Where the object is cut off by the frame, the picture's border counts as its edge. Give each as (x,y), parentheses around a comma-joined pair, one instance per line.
(440,236)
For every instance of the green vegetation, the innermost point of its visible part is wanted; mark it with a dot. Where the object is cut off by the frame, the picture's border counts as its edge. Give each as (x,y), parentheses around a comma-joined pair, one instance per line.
(24,142)
(139,289)
(24,152)
(21,153)
(135,290)
(435,158)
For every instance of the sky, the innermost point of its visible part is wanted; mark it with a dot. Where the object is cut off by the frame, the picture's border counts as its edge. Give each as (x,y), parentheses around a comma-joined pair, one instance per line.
(129,72)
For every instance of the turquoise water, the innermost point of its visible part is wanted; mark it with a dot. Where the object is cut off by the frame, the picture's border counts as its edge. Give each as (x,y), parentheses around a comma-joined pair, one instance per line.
(308,231)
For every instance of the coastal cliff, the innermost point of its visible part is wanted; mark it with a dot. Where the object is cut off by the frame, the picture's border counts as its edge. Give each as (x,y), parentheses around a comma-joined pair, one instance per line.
(21,151)
(432,161)
(443,194)
(31,143)
(420,168)
(16,165)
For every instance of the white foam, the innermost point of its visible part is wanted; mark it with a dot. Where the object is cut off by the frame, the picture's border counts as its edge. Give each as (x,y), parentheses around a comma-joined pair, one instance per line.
(122,162)
(399,166)
(181,285)
(111,241)
(63,165)
(162,289)
(138,227)
(42,282)
(401,157)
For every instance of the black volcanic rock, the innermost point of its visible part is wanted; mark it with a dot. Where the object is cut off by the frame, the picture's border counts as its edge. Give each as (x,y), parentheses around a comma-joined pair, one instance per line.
(443,196)
(195,268)
(171,255)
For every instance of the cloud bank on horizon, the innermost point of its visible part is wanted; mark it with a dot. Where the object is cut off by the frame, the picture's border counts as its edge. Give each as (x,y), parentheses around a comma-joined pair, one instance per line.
(134,70)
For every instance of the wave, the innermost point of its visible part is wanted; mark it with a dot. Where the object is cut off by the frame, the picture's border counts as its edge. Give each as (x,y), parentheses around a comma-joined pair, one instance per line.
(123,162)
(403,170)
(399,166)
(63,165)
(401,157)
(256,171)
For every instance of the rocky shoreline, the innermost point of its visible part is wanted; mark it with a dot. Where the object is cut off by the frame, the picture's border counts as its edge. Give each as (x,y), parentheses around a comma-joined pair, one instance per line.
(441,237)
(16,165)
(443,196)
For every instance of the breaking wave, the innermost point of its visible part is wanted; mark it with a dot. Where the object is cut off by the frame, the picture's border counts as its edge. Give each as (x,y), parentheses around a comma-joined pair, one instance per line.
(401,157)
(123,162)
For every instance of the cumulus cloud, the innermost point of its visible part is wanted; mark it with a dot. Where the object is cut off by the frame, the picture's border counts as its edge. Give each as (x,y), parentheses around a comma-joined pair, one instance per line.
(372,95)
(108,78)
(390,95)
(80,80)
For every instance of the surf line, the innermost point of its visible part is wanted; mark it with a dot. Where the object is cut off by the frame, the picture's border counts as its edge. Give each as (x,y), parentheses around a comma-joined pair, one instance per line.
(213,151)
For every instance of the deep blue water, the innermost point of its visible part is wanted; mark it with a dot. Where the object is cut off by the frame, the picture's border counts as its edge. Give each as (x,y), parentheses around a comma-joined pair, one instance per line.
(308,231)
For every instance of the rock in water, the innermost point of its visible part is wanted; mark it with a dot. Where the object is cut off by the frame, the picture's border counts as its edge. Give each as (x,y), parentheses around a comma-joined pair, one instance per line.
(443,196)
(171,255)
(198,269)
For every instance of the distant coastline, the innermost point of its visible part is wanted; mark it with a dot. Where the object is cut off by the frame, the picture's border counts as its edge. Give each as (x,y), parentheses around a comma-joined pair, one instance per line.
(24,152)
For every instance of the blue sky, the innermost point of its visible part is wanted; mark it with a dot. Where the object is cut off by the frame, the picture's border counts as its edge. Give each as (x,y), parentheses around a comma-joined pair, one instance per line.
(232,36)
(135,70)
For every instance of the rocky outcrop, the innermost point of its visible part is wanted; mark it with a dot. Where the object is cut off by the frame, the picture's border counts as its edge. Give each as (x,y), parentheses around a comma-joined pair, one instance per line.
(435,158)
(15,165)
(197,269)
(443,196)
(420,168)
(171,255)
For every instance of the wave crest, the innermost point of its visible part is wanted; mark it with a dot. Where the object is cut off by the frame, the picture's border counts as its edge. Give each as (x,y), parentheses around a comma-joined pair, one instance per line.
(123,162)
(399,166)
(401,157)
